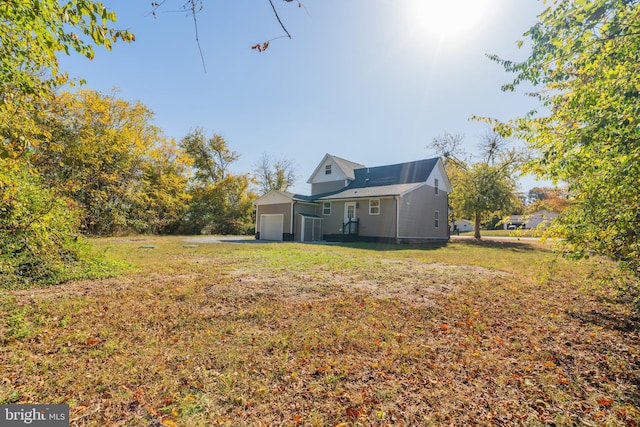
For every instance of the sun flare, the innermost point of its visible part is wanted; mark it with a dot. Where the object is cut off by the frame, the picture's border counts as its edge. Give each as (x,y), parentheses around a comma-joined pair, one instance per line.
(447,18)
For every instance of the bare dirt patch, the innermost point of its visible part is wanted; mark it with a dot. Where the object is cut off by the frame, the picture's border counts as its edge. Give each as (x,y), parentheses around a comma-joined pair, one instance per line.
(406,280)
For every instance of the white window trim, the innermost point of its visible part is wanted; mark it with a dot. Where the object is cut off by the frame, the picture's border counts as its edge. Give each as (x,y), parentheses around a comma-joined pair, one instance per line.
(436,219)
(323,211)
(327,169)
(377,206)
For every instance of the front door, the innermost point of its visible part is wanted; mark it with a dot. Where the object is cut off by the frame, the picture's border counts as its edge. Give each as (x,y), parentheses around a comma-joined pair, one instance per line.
(350,215)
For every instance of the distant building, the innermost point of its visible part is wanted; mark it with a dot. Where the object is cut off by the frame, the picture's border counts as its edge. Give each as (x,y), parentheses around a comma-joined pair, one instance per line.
(462,226)
(534,220)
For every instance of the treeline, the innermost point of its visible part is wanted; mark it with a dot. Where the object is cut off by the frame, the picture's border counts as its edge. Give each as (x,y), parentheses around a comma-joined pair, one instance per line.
(105,157)
(91,164)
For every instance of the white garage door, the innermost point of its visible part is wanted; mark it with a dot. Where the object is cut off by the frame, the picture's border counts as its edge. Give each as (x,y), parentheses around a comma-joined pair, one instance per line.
(271,226)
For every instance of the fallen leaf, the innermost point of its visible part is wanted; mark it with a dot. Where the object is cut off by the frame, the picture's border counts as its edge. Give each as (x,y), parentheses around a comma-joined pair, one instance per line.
(603,401)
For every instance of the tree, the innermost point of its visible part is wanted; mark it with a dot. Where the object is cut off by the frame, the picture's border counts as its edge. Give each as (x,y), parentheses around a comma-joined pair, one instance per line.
(274,175)
(546,198)
(485,188)
(193,7)
(35,222)
(221,202)
(99,152)
(33,32)
(31,35)
(585,67)
(211,156)
(164,188)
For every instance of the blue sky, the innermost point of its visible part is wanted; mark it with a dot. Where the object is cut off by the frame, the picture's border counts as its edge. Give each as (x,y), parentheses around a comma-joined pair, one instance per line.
(372,81)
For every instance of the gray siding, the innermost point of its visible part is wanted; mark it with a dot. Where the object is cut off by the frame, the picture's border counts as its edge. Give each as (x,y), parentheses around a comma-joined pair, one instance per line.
(333,222)
(326,187)
(417,214)
(383,225)
(414,211)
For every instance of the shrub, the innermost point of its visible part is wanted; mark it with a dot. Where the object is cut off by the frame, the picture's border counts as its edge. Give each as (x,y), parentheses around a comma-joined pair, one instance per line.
(39,240)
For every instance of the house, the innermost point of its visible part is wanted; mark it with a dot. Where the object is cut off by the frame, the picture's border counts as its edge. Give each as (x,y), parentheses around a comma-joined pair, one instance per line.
(534,220)
(406,202)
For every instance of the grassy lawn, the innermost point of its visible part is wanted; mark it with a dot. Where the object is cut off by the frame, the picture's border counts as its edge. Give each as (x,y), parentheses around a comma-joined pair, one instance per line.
(501,333)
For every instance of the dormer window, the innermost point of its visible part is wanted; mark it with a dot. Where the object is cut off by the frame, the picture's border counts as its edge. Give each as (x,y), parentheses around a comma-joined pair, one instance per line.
(327,170)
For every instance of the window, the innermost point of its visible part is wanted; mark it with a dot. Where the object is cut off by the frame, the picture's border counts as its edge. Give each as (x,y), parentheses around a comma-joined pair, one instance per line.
(435,185)
(374,207)
(436,219)
(327,170)
(326,208)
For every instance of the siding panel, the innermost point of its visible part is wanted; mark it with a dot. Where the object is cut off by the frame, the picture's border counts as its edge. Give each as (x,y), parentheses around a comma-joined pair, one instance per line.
(417,214)
(382,225)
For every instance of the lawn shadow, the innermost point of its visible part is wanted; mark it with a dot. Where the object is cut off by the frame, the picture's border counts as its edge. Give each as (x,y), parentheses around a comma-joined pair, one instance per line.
(608,319)
(388,246)
(515,246)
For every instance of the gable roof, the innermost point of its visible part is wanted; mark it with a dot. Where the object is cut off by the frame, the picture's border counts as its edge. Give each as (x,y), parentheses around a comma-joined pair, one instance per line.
(401,173)
(346,166)
(275,197)
(379,181)
(388,180)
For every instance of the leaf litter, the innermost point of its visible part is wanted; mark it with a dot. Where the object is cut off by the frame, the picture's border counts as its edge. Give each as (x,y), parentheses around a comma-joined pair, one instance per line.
(392,341)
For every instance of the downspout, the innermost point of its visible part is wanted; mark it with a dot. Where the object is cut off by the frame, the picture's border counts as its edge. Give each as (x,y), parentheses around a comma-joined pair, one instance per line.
(449,226)
(256,231)
(293,220)
(397,199)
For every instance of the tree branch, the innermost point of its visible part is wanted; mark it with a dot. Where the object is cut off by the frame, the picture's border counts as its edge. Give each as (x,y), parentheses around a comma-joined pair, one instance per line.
(275,12)
(195,25)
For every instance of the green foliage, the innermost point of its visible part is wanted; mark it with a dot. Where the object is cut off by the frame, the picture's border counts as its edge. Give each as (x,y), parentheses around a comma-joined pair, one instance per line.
(33,32)
(164,189)
(211,156)
(38,229)
(221,202)
(38,243)
(104,153)
(483,189)
(585,62)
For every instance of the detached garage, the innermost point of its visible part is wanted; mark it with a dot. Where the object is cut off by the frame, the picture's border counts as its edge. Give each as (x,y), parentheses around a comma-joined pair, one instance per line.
(283,216)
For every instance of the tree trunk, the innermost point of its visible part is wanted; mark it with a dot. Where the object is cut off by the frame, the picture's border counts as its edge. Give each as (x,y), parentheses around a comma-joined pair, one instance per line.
(476,232)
